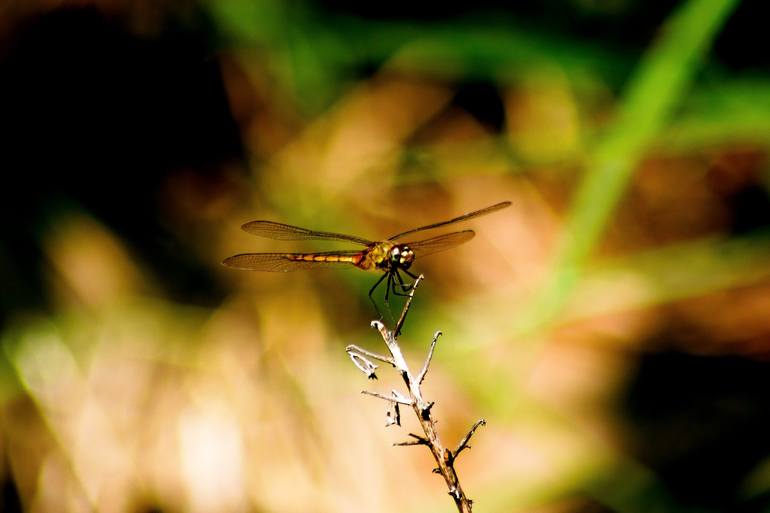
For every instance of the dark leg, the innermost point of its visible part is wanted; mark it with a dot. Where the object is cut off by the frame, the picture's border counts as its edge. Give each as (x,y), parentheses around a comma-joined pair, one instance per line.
(389,286)
(376,308)
(404,287)
(410,274)
(387,292)
(371,298)
(371,290)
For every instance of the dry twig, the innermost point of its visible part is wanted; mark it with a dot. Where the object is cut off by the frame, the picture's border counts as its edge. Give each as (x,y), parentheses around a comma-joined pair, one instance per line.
(445,458)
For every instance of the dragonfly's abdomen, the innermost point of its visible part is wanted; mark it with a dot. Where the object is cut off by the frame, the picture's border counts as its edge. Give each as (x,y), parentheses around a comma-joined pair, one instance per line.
(315,257)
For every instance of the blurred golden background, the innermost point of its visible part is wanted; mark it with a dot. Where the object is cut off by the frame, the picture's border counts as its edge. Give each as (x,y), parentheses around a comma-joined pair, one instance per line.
(612,326)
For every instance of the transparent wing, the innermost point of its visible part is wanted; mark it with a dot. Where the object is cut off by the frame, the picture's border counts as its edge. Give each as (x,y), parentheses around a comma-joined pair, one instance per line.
(285,262)
(280,231)
(464,217)
(440,243)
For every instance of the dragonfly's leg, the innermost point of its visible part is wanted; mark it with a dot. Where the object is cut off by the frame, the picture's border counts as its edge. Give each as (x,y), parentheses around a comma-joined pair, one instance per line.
(390,285)
(404,287)
(407,287)
(371,295)
(371,290)
(376,308)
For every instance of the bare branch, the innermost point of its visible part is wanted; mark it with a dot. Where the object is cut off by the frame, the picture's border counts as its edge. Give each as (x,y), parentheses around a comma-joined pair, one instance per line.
(408,443)
(381,328)
(364,364)
(464,442)
(393,415)
(424,371)
(399,395)
(422,408)
(418,440)
(400,323)
(352,348)
(398,400)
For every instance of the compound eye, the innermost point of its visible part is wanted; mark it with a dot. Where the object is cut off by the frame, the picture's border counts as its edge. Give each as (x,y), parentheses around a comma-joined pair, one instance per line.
(407,256)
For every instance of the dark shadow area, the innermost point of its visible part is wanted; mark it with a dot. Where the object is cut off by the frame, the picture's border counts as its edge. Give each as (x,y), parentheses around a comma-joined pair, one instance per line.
(10,502)
(95,118)
(699,422)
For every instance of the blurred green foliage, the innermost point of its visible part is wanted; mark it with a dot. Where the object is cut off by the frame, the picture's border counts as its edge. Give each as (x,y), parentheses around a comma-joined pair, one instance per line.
(664,76)
(270,350)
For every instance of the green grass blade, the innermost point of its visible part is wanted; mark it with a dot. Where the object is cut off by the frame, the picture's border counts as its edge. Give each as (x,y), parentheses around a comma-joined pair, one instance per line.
(658,85)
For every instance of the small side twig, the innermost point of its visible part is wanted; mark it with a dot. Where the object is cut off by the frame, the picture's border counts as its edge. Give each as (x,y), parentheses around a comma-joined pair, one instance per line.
(424,371)
(444,457)
(392,399)
(352,348)
(464,442)
(364,365)
(407,305)
(393,415)
(418,440)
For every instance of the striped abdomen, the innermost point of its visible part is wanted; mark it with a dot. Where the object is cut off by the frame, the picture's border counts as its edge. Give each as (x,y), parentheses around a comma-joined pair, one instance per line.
(319,257)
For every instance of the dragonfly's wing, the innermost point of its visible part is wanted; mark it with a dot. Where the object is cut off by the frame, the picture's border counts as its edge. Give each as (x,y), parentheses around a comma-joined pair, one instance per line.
(440,243)
(284,262)
(464,217)
(280,231)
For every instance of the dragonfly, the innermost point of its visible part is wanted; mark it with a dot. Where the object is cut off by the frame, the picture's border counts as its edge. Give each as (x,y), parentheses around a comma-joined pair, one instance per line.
(390,257)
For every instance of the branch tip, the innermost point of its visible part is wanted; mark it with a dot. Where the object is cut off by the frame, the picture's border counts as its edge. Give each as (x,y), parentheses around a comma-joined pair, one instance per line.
(407,305)
(359,352)
(428,358)
(391,399)
(362,363)
(464,442)
(418,440)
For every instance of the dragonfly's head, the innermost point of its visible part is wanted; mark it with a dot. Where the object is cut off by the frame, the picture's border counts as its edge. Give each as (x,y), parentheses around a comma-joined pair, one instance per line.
(401,257)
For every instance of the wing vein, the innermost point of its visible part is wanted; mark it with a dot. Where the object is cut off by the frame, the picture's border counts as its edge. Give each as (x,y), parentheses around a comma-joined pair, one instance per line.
(443,242)
(280,231)
(464,217)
